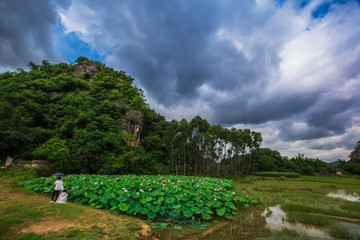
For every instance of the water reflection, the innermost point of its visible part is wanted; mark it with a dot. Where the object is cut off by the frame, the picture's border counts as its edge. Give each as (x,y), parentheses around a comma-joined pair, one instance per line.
(276,221)
(354,197)
(255,223)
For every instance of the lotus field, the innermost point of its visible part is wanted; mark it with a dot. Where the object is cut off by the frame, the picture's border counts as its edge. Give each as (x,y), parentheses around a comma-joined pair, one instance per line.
(150,196)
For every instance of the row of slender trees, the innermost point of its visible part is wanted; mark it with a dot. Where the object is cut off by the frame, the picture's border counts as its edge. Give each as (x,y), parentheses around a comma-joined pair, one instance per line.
(198,148)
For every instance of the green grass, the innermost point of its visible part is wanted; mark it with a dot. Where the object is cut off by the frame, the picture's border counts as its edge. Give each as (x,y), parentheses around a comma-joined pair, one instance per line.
(354,213)
(31,236)
(306,218)
(278,174)
(288,232)
(341,233)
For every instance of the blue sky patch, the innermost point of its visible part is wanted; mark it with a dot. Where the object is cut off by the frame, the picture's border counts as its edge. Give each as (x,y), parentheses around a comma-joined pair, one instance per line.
(304,3)
(321,10)
(279,3)
(70,46)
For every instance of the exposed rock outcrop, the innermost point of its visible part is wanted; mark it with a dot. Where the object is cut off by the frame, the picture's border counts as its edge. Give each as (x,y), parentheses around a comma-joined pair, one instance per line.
(86,70)
(133,124)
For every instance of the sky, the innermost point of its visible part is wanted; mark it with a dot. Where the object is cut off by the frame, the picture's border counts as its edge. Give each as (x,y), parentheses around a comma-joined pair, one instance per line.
(289,69)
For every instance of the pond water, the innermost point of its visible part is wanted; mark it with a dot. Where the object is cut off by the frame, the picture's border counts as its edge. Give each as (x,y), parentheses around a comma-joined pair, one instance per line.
(276,221)
(257,224)
(354,197)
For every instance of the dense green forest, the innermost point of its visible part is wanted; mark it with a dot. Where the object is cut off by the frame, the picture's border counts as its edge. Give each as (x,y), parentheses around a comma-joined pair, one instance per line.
(88,118)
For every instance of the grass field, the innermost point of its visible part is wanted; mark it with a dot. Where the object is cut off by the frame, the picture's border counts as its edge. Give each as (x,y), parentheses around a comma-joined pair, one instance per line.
(25,215)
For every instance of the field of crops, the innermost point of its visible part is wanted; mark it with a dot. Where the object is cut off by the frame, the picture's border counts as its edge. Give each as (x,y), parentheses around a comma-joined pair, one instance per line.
(150,196)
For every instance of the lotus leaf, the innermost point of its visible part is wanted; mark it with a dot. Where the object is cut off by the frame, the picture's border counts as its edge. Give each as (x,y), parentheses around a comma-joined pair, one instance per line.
(151,215)
(220,211)
(123,207)
(175,214)
(187,213)
(177,206)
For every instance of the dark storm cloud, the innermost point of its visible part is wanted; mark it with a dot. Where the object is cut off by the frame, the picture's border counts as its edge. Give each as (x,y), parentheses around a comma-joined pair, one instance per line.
(171,51)
(333,115)
(172,48)
(267,109)
(329,117)
(25,31)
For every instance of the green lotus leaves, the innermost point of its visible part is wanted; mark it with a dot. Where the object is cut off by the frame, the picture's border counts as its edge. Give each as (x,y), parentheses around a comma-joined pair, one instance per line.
(230,205)
(220,211)
(151,196)
(123,207)
(122,199)
(144,211)
(155,209)
(206,216)
(177,206)
(190,204)
(170,200)
(151,215)
(187,213)
(175,214)
(200,204)
(196,210)
(217,204)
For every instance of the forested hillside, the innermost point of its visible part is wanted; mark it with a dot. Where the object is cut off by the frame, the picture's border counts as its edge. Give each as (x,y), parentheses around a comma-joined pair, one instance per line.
(88,118)
(81,118)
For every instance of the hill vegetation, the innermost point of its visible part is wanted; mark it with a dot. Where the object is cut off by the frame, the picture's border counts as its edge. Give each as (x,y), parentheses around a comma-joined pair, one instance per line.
(88,118)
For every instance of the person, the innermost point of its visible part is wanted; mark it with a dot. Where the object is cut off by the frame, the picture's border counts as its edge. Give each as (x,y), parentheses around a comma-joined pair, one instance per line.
(58,186)
(63,197)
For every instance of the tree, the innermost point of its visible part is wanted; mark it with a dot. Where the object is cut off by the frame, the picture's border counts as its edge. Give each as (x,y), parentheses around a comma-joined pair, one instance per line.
(355,154)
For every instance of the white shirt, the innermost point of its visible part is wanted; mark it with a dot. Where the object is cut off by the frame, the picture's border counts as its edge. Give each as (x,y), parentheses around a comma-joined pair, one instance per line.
(58,185)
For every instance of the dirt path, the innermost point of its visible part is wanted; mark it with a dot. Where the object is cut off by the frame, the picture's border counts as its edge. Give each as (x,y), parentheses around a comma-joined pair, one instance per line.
(55,219)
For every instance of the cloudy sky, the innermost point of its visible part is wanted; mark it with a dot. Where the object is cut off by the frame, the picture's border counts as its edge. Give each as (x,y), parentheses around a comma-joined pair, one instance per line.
(287,68)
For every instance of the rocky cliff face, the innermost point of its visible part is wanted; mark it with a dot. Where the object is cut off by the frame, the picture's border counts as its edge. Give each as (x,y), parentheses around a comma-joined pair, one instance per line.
(133,121)
(133,124)
(88,67)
